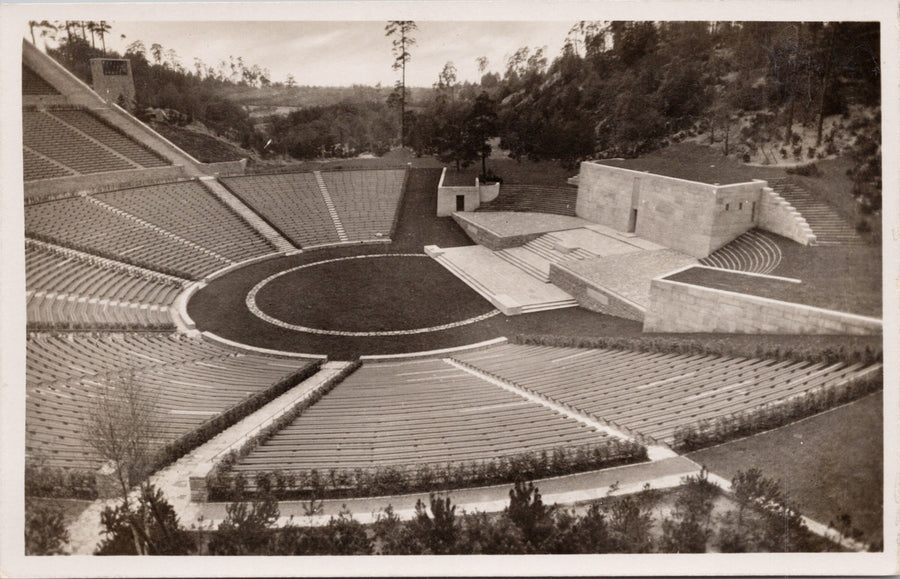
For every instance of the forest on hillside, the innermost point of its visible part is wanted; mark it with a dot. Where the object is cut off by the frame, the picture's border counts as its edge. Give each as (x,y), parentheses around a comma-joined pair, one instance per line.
(764,92)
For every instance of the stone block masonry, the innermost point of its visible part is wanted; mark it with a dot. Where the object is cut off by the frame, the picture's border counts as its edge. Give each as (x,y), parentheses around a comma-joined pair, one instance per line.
(684,308)
(593,296)
(695,218)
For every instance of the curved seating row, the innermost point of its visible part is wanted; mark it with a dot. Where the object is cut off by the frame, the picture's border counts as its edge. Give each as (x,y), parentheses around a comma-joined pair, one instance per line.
(62,356)
(50,271)
(366,201)
(194,383)
(559,199)
(62,311)
(190,211)
(653,393)
(76,222)
(291,202)
(414,412)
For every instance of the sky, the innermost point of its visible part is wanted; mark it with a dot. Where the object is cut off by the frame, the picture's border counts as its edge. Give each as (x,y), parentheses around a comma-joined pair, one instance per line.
(344,53)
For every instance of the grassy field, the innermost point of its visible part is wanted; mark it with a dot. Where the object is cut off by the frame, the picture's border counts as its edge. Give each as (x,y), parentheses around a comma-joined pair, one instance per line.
(847,276)
(829,464)
(370,295)
(846,284)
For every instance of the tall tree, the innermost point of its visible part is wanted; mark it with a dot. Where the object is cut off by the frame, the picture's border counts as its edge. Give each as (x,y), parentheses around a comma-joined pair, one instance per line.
(401,31)
(46,27)
(102,28)
(121,428)
(483,126)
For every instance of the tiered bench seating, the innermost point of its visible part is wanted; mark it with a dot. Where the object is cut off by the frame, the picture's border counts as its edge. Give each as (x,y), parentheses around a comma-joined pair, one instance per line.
(366,201)
(52,137)
(78,223)
(290,202)
(54,272)
(37,167)
(76,312)
(109,136)
(559,199)
(653,394)
(413,413)
(61,356)
(187,381)
(190,211)
(34,85)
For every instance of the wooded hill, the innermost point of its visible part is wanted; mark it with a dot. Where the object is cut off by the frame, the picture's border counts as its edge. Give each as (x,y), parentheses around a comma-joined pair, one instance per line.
(764,92)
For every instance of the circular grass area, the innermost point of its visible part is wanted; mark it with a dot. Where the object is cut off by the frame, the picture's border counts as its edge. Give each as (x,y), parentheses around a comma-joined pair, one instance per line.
(366,293)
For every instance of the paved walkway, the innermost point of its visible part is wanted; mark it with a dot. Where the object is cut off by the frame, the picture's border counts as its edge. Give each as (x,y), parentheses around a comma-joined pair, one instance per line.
(173,480)
(562,490)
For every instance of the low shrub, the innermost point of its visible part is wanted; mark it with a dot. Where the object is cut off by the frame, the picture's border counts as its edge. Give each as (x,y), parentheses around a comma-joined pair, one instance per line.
(410,478)
(191,440)
(771,415)
(807,170)
(61,483)
(808,351)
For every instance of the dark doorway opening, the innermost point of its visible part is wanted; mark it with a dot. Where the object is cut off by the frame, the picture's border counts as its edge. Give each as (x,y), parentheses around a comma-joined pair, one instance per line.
(460,202)
(632,221)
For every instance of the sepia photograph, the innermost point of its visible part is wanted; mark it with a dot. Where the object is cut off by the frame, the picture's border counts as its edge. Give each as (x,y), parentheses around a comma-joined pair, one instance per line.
(298,289)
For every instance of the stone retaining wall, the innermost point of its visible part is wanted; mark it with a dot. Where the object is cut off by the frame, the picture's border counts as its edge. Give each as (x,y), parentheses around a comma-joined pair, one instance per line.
(680,307)
(490,239)
(594,297)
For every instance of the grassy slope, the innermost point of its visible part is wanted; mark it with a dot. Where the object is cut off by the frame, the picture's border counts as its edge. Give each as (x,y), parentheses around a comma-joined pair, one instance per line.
(829,464)
(846,279)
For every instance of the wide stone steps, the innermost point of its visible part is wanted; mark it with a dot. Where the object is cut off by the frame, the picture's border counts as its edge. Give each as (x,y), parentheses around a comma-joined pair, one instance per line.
(513,256)
(274,238)
(826,223)
(469,280)
(504,284)
(555,305)
(550,242)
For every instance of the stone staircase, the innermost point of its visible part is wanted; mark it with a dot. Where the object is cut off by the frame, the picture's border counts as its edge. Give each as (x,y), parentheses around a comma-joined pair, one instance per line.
(329,204)
(526,302)
(535,257)
(827,224)
(274,238)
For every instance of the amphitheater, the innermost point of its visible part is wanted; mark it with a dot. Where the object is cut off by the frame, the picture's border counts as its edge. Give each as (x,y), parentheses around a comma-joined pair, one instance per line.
(238,300)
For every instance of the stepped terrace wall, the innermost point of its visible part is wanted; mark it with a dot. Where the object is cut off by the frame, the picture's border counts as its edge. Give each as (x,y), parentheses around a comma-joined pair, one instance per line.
(682,307)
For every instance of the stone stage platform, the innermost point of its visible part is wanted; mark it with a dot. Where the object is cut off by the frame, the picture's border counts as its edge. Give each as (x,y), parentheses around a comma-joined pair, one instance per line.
(509,288)
(533,261)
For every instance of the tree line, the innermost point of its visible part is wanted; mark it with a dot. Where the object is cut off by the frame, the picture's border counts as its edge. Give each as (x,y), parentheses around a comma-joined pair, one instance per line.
(616,89)
(759,518)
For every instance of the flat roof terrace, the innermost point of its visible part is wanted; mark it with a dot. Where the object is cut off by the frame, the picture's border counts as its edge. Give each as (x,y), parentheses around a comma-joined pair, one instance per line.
(695,163)
(828,297)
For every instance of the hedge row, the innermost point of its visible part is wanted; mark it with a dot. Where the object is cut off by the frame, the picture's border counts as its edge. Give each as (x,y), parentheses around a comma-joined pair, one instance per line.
(220,472)
(89,326)
(772,415)
(212,427)
(828,349)
(410,478)
(57,482)
(110,255)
